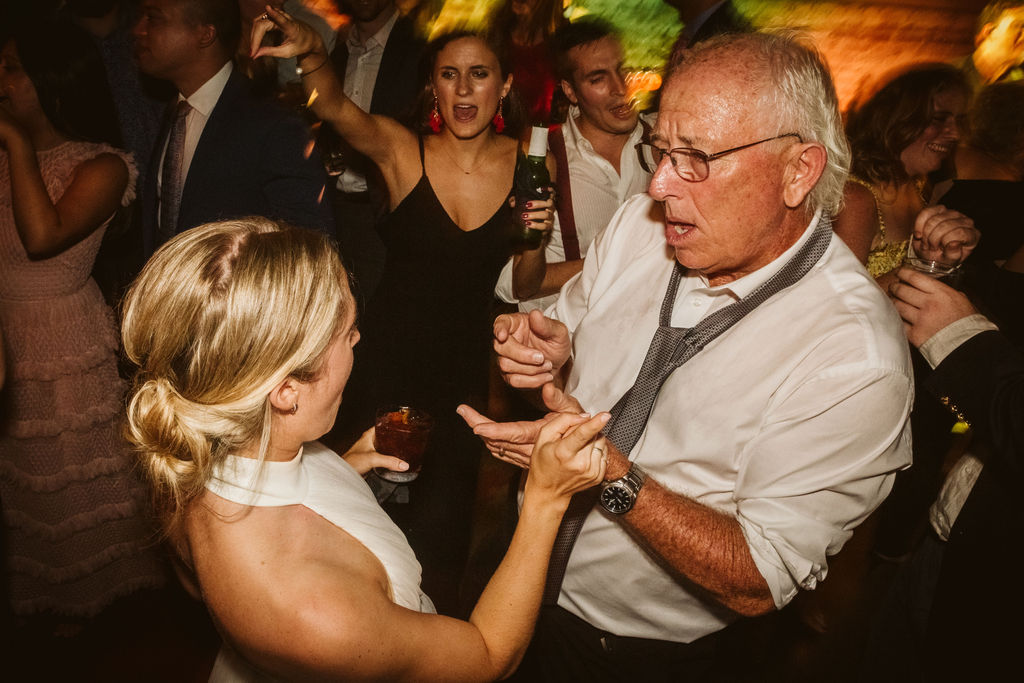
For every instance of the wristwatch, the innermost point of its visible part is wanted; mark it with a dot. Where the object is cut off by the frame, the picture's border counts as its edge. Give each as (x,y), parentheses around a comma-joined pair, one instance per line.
(618,496)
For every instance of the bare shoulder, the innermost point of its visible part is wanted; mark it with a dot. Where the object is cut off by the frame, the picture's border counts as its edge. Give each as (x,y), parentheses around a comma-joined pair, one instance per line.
(277,580)
(857,223)
(858,198)
(103,168)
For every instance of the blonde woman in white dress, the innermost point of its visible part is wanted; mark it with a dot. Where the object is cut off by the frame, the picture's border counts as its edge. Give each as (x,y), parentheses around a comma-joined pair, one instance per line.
(243,334)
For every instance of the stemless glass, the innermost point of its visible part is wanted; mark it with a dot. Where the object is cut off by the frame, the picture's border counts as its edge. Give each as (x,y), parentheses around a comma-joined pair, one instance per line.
(403,432)
(936,268)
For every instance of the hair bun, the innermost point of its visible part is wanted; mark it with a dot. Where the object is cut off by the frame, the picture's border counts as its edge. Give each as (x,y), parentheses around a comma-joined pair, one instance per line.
(163,428)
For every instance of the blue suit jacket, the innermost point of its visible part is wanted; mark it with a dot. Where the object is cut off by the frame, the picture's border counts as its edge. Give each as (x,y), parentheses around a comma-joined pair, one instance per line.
(253,158)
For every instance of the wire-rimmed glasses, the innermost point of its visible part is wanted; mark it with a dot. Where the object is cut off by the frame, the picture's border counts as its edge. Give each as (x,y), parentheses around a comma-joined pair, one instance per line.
(689,163)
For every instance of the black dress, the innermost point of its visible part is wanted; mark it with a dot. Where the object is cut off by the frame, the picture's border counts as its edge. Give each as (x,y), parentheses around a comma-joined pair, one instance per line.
(426,339)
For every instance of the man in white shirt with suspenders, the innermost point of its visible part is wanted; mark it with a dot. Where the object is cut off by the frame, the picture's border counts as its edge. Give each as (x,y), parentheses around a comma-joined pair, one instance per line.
(596,163)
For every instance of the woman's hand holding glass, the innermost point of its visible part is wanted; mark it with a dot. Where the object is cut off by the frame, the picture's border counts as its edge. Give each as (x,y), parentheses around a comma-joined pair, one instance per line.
(363,458)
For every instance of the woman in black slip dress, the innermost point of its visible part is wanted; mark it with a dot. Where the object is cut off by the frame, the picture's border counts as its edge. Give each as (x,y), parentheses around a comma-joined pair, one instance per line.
(426,332)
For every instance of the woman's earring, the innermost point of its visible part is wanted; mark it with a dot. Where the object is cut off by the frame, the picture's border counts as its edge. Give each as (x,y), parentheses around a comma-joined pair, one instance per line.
(435,118)
(499,120)
(295,408)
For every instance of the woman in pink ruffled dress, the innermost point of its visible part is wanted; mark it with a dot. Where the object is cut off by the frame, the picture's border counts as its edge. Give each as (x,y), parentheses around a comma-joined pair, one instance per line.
(77,532)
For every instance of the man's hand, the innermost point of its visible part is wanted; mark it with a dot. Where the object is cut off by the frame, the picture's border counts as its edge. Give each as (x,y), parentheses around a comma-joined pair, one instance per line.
(513,442)
(531,348)
(926,305)
(941,234)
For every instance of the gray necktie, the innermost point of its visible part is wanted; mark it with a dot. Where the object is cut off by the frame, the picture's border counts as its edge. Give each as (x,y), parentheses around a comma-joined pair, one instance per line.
(171,174)
(670,348)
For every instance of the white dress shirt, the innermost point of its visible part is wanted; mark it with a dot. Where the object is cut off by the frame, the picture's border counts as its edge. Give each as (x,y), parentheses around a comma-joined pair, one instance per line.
(597,193)
(361,71)
(202,102)
(793,422)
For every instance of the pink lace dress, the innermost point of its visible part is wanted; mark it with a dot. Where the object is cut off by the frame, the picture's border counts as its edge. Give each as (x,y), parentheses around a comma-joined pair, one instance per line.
(77,532)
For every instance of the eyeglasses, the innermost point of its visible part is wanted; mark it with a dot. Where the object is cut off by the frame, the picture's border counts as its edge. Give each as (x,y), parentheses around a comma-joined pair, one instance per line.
(691,164)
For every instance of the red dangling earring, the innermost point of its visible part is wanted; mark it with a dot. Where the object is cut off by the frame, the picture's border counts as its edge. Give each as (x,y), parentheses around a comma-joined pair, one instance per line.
(435,118)
(499,120)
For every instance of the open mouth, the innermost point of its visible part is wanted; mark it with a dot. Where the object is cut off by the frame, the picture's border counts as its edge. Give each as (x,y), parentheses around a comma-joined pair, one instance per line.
(623,111)
(464,113)
(943,149)
(676,231)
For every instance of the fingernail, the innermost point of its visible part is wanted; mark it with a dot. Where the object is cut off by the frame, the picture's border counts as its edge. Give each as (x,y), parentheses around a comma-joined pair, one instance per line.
(403,465)
(525,215)
(538,357)
(459,410)
(529,205)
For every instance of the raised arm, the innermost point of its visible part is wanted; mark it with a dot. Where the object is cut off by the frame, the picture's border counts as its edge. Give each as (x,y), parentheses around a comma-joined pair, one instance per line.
(380,138)
(47,228)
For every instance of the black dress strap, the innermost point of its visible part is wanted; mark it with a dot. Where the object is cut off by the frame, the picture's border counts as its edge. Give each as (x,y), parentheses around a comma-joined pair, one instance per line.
(423,166)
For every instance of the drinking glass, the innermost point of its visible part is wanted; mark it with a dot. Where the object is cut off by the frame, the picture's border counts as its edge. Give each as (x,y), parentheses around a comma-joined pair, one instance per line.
(937,268)
(404,432)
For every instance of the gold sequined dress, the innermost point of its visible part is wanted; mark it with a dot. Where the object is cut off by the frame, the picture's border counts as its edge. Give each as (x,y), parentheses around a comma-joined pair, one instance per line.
(884,255)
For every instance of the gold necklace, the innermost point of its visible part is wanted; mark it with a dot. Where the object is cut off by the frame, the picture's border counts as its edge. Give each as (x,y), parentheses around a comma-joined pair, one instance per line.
(458,165)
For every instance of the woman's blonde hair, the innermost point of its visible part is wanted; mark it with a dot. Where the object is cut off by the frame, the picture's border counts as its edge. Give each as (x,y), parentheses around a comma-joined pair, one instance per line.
(221,315)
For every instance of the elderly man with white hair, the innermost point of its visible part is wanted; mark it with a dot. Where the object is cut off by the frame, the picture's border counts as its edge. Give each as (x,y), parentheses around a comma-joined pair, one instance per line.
(759,381)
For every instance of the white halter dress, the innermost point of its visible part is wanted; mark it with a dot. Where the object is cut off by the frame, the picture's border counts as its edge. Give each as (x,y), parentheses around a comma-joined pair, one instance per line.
(322,481)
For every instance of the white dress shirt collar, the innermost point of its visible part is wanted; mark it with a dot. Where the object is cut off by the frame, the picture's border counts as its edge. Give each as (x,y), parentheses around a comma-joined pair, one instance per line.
(378,39)
(205,98)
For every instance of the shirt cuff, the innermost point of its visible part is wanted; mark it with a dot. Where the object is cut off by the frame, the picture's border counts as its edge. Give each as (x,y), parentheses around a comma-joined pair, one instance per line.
(943,342)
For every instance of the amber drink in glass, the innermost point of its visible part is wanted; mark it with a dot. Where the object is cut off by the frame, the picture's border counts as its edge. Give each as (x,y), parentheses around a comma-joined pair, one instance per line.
(403,432)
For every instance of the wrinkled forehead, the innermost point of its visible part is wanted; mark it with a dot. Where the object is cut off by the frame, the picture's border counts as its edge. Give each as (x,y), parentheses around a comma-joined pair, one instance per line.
(709,102)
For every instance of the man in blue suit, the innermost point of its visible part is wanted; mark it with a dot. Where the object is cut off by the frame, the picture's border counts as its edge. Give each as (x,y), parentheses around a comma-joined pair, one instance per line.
(223,151)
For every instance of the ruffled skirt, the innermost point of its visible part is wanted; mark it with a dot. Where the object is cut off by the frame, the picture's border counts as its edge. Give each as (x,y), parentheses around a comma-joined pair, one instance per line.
(78,532)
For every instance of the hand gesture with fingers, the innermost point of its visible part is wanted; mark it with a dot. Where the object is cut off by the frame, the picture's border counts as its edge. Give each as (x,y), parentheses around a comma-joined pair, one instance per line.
(531,348)
(513,442)
(298,37)
(569,456)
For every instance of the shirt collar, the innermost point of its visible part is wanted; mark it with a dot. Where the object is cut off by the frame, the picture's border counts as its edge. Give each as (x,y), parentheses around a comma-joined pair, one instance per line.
(751,281)
(378,39)
(205,98)
(267,483)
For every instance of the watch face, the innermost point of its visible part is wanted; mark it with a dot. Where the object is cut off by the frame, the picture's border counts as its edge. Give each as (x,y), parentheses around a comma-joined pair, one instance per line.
(617,499)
